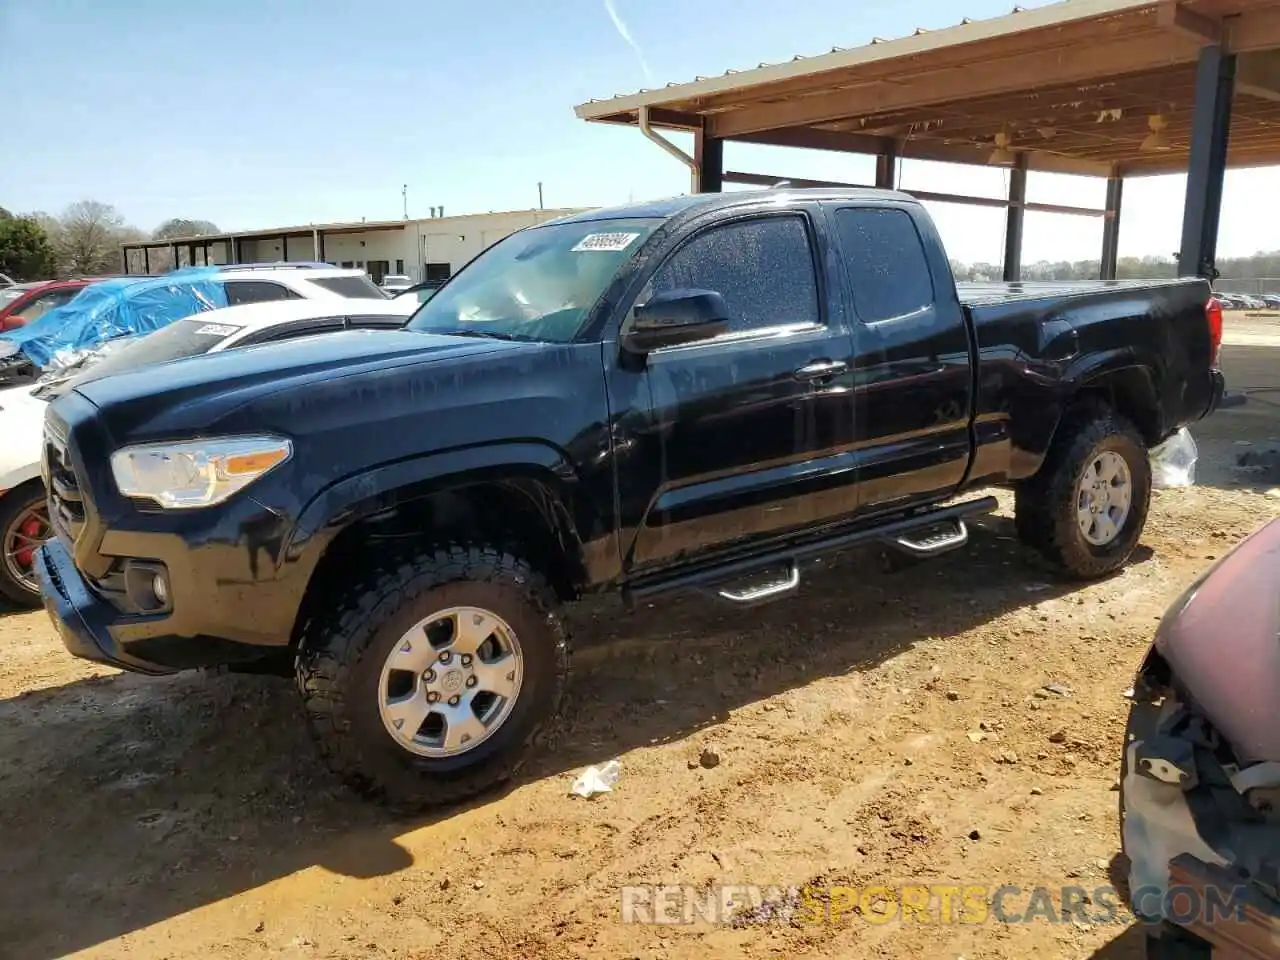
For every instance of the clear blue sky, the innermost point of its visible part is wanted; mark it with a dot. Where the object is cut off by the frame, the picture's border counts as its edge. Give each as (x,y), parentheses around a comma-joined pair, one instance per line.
(260,113)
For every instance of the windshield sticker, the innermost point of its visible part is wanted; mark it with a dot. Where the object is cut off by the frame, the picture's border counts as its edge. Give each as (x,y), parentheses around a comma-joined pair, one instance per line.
(216,330)
(605,242)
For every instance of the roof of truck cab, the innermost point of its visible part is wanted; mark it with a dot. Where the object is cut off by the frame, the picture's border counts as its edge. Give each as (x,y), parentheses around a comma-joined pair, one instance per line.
(672,206)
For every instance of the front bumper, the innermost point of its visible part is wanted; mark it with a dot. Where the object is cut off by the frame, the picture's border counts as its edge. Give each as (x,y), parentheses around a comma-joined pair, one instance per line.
(83,620)
(93,628)
(1200,857)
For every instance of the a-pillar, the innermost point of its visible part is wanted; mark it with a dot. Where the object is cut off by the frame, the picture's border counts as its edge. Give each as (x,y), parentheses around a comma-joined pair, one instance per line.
(708,157)
(1013,223)
(1210,132)
(1111,229)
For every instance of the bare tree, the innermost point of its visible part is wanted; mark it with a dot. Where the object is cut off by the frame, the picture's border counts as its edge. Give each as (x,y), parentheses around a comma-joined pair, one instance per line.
(88,238)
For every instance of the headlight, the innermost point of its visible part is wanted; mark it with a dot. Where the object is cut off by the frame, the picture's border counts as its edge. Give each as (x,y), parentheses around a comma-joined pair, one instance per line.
(199,473)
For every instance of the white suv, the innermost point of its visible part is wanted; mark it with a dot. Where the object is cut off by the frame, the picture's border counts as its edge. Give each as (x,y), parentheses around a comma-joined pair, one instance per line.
(260,282)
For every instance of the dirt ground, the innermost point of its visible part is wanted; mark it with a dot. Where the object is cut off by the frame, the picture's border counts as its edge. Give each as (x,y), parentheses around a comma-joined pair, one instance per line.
(882,728)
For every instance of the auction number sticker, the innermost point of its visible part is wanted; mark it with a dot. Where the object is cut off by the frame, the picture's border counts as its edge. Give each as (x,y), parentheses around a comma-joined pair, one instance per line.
(216,330)
(605,242)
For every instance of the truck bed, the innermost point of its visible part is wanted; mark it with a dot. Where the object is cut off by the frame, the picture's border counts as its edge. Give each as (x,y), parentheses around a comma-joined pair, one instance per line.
(981,293)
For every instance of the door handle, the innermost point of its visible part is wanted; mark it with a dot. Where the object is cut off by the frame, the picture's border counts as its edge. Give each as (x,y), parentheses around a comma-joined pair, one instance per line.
(821,370)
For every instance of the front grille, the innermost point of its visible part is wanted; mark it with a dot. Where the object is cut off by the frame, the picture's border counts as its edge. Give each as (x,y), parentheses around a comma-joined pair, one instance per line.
(66,502)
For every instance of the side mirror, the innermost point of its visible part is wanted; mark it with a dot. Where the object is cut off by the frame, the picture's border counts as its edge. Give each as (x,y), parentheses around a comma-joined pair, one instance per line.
(676,317)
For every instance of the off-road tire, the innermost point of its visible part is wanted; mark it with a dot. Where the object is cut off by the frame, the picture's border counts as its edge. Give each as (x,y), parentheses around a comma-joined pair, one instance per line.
(342,650)
(15,502)
(1045,504)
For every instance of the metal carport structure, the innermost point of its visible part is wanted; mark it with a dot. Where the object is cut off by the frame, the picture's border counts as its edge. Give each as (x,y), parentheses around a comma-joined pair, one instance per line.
(1108,88)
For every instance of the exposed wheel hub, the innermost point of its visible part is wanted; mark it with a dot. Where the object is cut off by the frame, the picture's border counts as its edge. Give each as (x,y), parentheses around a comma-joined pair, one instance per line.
(450,682)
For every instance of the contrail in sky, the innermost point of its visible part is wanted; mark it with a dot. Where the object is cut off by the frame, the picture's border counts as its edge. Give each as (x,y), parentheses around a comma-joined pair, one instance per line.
(621,26)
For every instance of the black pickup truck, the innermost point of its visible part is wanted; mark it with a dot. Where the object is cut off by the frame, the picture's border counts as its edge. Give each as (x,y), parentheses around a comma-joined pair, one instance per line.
(696,394)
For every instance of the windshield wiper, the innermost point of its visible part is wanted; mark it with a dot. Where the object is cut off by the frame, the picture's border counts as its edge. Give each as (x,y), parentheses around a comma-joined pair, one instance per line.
(483,334)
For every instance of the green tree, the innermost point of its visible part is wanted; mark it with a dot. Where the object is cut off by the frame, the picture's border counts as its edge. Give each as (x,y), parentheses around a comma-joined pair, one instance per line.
(25,250)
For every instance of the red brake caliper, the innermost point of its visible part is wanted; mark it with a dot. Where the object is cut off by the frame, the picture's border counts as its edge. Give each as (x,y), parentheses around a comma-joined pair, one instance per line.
(29,528)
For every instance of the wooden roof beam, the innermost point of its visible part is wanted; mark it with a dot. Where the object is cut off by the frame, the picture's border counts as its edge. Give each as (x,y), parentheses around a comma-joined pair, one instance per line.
(1080,63)
(1205,31)
(907,148)
(1258,74)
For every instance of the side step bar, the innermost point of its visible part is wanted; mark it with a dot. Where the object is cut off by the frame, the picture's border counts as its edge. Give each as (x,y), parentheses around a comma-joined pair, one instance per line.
(940,539)
(926,534)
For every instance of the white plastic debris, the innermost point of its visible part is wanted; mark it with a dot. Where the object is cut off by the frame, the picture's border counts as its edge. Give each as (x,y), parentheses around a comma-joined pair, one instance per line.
(597,780)
(1173,463)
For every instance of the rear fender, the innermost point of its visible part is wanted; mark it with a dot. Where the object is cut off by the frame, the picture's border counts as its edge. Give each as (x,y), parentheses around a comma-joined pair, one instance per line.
(1120,379)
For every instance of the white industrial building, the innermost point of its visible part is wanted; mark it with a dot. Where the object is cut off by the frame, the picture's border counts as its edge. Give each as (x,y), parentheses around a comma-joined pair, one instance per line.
(431,249)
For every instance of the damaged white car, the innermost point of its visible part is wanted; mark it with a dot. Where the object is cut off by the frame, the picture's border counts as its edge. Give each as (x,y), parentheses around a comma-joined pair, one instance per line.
(1200,788)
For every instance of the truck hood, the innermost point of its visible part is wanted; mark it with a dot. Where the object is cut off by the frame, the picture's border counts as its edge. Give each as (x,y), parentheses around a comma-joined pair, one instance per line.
(1221,639)
(192,394)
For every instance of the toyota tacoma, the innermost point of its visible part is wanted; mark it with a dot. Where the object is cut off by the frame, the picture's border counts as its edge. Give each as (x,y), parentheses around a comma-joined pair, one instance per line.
(698,394)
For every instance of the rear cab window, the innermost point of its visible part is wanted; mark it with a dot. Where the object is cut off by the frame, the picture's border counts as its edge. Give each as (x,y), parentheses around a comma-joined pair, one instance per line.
(353,288)
(884,256)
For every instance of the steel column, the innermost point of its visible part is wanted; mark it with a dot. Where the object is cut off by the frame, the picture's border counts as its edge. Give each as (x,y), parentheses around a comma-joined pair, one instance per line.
(146,261)
(234,249)
(887,169)
(1111,229)
(708,156)
(1210,132)
(284,248)
(1013,223)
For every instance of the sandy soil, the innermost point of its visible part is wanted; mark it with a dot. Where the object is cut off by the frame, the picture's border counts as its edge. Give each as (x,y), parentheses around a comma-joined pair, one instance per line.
(882,728)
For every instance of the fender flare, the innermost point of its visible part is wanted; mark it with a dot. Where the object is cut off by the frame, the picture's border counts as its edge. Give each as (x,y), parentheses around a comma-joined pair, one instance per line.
(539,470)
(1141,384)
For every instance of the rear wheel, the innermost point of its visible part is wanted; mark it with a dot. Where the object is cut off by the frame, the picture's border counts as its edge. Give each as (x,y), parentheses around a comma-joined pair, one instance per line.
(1086,508)
(435,679)
(24,525)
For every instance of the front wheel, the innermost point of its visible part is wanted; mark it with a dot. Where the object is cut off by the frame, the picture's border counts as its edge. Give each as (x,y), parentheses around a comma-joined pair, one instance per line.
(24,525)
(434,680)
(1086,508)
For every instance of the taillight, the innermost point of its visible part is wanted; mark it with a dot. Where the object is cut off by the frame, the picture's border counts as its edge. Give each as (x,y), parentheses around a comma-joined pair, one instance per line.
(1213,316)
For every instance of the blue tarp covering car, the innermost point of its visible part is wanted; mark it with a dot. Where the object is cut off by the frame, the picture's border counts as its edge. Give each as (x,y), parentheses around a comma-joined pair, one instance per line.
(109,309)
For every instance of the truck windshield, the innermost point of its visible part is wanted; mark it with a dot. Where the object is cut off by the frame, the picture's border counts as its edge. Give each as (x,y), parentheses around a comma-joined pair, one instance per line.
(538,284)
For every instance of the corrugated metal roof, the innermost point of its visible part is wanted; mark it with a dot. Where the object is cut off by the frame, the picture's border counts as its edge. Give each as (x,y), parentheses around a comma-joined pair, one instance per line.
(920,41)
